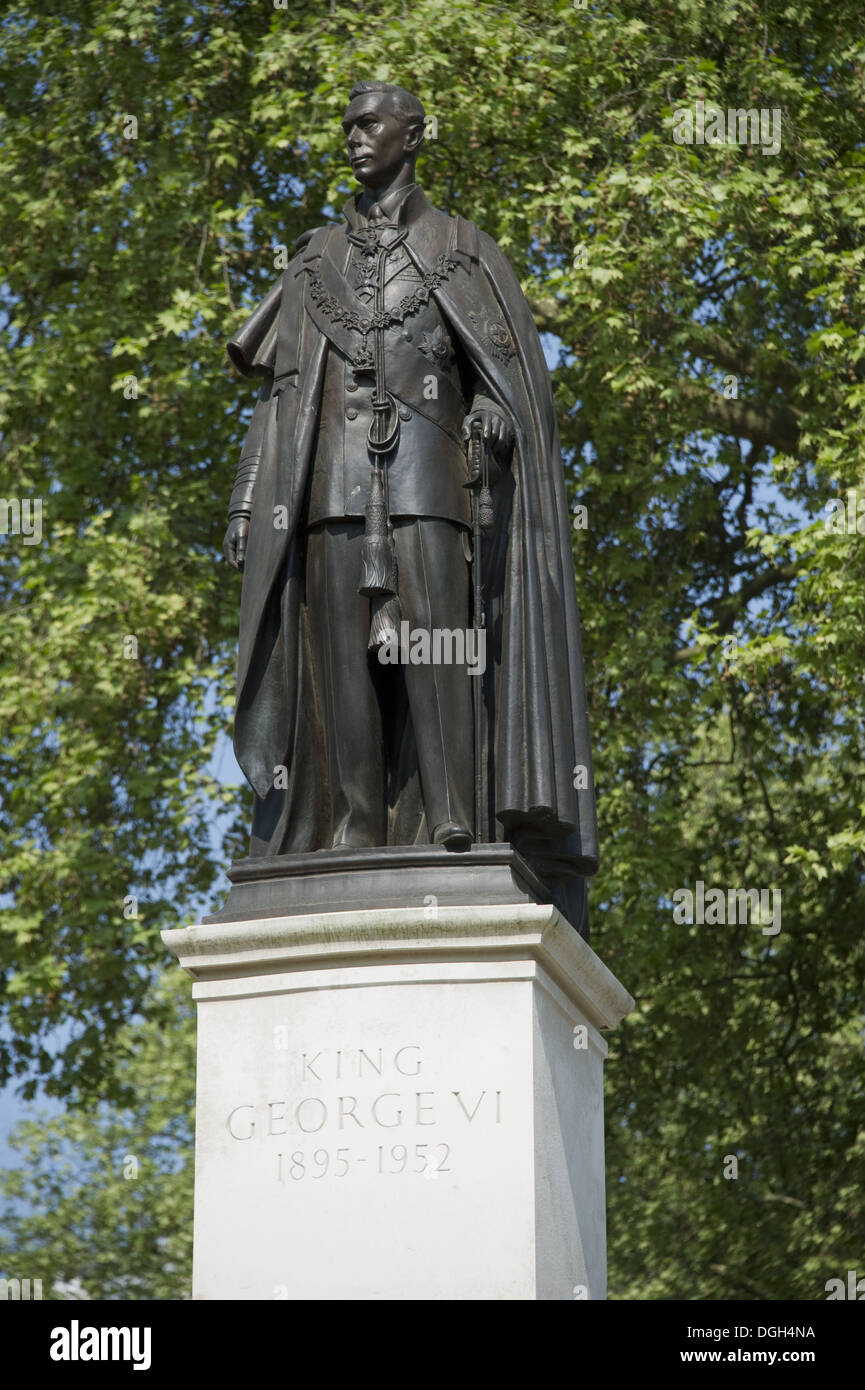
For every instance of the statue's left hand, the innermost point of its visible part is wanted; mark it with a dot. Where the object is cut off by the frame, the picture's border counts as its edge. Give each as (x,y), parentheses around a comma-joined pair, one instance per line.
(234,544)
(497,432)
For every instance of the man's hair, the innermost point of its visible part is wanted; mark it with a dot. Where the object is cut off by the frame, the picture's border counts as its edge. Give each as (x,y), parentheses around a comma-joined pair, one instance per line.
(405,106)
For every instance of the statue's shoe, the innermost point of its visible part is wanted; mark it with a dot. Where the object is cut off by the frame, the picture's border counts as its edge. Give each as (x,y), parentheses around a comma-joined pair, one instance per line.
(349,837)
(452,835)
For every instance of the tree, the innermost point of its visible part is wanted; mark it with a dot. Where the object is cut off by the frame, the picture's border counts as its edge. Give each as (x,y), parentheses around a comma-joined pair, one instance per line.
(102,1207)
(707,299)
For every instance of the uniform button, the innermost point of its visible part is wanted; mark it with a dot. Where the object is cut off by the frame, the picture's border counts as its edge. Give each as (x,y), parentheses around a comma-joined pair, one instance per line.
(351,413)
(404,412)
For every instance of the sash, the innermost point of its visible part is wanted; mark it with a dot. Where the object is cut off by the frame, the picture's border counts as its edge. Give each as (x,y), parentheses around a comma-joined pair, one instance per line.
(340,316)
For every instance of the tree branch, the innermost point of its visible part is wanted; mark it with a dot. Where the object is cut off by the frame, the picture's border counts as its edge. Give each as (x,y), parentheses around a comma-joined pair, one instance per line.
(742,359)
(729,609)
(776,425)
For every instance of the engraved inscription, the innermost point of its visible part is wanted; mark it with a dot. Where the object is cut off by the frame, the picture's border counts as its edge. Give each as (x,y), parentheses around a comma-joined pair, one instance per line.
(388,1110)
(340,1098)
(424,1159)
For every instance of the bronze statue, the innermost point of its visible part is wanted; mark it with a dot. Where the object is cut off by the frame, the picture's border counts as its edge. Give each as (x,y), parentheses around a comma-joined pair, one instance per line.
(410,667)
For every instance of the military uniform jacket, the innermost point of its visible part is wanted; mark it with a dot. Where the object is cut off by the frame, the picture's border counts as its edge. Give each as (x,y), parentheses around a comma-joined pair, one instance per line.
(426,372)
(471,332)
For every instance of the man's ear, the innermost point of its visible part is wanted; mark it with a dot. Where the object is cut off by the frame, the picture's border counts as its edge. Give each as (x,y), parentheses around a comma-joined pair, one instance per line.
(414,137)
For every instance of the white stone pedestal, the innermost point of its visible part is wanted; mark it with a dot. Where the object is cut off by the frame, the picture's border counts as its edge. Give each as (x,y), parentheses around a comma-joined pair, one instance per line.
(400,1104)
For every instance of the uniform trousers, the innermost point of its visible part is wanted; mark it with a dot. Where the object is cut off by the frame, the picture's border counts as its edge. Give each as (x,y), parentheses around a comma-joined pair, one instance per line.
(363,699)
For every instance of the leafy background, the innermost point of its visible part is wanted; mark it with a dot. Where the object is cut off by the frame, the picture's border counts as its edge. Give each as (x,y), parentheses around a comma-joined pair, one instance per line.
(706,308)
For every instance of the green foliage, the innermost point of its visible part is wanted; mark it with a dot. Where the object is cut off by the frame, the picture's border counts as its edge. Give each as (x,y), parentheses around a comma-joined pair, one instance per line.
(102,1205)
(709,300)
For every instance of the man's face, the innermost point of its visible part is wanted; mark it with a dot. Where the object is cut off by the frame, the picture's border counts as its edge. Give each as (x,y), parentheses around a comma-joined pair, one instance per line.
(378,142)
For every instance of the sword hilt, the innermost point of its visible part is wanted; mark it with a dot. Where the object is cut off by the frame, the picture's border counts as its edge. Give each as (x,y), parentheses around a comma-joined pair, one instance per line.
(479,475)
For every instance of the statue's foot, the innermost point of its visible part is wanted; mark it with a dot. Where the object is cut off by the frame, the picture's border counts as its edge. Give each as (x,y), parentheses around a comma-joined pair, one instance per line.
(352,835)
(452,835)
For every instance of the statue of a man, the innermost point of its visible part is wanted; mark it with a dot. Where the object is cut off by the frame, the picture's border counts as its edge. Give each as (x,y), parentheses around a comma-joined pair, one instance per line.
(389,339)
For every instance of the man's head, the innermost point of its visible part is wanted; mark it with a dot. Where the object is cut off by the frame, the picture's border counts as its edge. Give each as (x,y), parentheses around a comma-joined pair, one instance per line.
(384,128)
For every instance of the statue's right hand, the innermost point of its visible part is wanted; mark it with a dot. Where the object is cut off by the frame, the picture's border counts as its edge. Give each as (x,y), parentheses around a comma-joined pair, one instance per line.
(234,544)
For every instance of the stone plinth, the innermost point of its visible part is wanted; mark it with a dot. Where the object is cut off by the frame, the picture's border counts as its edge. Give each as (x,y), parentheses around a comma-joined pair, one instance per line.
(400,1104)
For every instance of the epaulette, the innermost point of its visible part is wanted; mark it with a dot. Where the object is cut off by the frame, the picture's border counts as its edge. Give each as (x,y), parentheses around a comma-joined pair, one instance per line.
(310,245)
(467,238)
